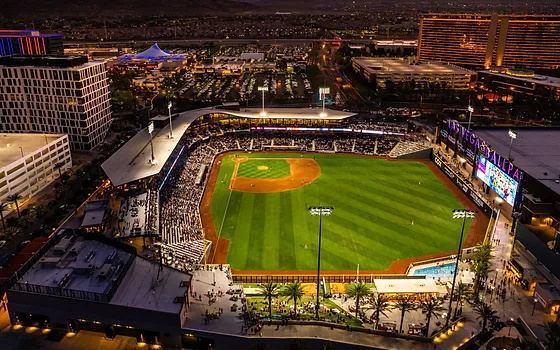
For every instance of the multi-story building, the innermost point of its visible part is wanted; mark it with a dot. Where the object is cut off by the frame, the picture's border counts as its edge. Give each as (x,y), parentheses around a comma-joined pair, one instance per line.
(28,163)
(29,42)
(508,81)
(491,40)
(95,284)
(378,70)
(55,94)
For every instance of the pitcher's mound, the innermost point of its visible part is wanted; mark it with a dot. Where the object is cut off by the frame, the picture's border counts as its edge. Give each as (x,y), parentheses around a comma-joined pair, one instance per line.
(262,167)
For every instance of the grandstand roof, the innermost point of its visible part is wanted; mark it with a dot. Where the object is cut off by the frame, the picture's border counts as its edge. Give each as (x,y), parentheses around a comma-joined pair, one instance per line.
(132,161)
(535,151)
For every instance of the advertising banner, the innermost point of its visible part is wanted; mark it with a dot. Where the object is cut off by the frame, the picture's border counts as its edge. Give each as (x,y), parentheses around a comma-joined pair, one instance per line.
(462,185)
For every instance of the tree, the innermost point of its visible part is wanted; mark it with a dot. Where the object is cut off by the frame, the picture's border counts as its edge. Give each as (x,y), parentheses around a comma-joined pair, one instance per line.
(389,86)
(461,292)
(359,291)
(481,264)
(432,307)
(58,166)
(485,313)
(405,304)
(14,198)
(523,344)
(379,304)
(3,208)
(552,330)
(269,290)
(38,211)
(293,291)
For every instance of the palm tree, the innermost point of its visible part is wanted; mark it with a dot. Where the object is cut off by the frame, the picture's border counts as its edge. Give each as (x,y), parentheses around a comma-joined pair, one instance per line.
(359,291)
(294,291)
(461,292)
(405,304)
(379,304)
(269,290)
(485,313)
(552,330)
(433,308)
(481,264)
(14,198)
(38,211)
(523,344)
(58,166)
(3,207)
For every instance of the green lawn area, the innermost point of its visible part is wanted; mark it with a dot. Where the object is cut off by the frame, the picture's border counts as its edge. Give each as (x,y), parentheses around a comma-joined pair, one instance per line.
(374,200)
(260,303)
(264,169)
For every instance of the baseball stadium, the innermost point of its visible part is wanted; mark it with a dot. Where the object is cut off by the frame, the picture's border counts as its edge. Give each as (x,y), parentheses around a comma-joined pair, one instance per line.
(238,187)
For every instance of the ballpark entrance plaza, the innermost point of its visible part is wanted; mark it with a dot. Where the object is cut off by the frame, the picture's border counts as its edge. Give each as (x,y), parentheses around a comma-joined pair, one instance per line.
(385,211)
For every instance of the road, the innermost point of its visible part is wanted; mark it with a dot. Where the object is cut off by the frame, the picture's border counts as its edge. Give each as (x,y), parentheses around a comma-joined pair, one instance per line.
(189,42)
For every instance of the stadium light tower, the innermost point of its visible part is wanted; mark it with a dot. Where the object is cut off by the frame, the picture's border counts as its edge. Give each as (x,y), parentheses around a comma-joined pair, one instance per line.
(324,92)
(169,105)
(263,89)
(319,211)
(150,131)
(512,135)
(458,214)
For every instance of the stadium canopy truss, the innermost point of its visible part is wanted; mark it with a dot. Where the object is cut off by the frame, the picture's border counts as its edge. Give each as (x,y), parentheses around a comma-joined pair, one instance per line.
(132,161)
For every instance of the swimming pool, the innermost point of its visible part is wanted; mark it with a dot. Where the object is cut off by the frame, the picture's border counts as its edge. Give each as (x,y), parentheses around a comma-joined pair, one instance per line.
(443,271)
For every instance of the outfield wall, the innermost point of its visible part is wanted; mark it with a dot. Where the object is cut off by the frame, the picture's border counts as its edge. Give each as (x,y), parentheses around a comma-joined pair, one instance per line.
(463,185)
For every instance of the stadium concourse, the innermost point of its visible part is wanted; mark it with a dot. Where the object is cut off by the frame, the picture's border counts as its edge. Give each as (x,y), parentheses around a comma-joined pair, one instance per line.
(179,171)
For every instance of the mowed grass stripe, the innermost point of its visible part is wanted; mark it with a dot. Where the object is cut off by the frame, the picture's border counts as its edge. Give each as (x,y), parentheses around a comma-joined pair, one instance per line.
(276,169)
(374,201)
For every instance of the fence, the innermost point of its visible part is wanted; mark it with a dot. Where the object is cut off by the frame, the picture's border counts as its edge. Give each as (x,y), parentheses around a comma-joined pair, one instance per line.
(312,278)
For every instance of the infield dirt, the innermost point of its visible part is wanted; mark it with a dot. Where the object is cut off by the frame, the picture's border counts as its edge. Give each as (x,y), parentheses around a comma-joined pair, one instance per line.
(303,171)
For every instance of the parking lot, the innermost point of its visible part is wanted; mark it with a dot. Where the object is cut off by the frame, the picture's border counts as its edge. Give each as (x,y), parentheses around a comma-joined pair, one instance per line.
(281,86)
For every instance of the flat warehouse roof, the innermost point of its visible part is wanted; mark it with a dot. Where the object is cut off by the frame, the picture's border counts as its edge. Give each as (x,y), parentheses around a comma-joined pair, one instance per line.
(131,162)
(10,144)
(535,152)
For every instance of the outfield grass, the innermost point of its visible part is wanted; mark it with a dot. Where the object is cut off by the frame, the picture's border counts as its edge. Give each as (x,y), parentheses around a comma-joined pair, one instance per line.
(264,169)
(374,202)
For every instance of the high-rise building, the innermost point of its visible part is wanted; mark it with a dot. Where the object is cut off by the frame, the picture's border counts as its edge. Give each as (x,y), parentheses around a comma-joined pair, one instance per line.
(29,42)
(55,94)
(491,40)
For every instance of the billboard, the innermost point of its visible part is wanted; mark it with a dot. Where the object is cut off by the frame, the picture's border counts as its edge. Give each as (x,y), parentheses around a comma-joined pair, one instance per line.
(497,180)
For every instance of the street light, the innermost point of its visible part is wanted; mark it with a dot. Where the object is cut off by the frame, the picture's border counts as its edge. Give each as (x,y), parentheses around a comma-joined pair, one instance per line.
(534,305)
(458,214)
(170,124)
(319,211)
(511,319)
(263,89)
(471,110)
(512,135)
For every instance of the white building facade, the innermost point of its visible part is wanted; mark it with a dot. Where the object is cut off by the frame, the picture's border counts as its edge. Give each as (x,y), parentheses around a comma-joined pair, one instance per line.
(28,163)
(55,95)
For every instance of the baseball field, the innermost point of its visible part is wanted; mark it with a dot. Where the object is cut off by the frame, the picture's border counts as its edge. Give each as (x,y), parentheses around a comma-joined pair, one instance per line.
(384,211)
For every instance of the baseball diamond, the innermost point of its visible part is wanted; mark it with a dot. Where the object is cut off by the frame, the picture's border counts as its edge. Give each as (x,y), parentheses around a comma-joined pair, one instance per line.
(375,200)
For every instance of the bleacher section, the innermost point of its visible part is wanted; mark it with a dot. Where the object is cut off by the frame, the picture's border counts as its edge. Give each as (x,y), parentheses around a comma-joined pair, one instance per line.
(404,148)
(184,256)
